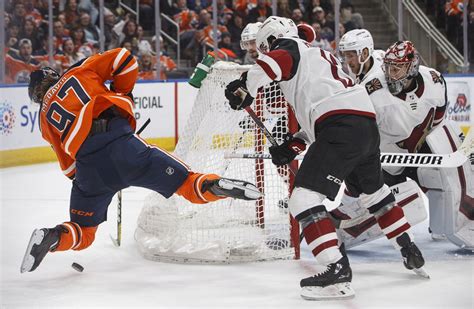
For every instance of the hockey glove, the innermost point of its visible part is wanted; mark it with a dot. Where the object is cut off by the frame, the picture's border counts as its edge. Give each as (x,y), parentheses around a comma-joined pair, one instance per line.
(237,94)
(287,151)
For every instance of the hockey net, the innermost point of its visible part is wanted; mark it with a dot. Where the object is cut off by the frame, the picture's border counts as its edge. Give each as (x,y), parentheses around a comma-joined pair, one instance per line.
(228,230)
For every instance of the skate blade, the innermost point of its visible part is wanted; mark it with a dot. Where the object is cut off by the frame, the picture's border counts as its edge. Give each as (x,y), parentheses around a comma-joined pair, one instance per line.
(115,241)
(28,260)
(330,292)
(250,191)
(421,272)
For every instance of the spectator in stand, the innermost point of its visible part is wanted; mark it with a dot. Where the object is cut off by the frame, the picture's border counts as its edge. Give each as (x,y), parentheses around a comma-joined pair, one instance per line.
(13,33)
(126,29)
(89,7)
(70,55)
(188,22)
(235,27)
(19,13)
(78,36)
(147,14)
(224,14)
(130,45)
(60,33)
(319,41)
(71,12)
(204,35)
(454,16)
(243,7)
(319,16)
(297,16)
(143,44)
(19,65)
(348,17)
(111,40)
(260,12)
(312,4)
(32,13)
(225,46)
(92,32)
(30,32)
(283,9)
(146,66)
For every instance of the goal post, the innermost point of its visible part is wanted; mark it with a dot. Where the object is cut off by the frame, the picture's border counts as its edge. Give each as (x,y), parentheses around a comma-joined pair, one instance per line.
(228,230)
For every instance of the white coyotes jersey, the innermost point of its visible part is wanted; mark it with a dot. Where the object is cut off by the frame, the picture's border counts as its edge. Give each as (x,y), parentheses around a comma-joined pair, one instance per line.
(312,81)
(406,119)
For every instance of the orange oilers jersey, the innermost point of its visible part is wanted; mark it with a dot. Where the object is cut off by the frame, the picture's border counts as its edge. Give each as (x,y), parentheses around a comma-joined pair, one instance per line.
(80,95)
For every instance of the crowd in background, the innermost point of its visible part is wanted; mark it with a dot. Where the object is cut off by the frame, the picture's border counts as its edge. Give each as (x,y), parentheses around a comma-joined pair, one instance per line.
(76,30)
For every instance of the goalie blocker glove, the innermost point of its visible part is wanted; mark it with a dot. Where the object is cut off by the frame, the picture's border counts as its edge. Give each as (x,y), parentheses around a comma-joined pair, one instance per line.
(237,94)
(286,152)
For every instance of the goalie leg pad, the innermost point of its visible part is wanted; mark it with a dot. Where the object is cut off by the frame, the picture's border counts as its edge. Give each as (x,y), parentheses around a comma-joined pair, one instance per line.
(451,201)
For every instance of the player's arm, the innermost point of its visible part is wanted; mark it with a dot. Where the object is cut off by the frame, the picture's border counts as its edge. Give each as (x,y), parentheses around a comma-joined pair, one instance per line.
(117,65)
(280,64)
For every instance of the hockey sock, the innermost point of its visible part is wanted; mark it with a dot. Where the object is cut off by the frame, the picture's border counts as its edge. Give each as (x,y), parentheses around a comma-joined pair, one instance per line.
(393,224)
(191,189)
(322,239)
(75,237)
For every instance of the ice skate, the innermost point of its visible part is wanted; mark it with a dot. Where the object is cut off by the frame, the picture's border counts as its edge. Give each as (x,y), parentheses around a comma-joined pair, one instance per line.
(332,283)
(41,242)
(238,189)
(412,257)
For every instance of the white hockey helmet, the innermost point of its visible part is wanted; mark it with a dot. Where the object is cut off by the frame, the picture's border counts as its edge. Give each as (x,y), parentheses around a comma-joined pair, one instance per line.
(249,35)
(274,27)
(357,40)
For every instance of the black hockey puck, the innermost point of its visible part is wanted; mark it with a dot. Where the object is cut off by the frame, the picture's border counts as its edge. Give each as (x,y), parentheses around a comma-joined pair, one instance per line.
(77,267)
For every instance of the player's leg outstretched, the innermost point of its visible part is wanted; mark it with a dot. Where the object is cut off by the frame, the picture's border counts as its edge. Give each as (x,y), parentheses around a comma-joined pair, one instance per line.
(320,234)
(66,236)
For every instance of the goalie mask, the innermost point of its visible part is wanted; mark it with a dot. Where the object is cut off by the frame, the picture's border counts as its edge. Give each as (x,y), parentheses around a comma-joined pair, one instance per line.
(400,64)
(356,41)
(40,82)
(273,28)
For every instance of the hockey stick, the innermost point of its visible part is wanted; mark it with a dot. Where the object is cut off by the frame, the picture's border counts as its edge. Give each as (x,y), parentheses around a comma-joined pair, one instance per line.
(267,134)
(451,160)
(117,241)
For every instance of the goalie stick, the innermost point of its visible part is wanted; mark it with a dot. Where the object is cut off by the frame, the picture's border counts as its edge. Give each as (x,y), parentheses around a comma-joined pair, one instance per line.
(450,160)
(117,241)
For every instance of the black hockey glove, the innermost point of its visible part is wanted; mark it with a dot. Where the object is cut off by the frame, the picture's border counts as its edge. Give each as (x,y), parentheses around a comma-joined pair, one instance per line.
(237,94)
(287,151)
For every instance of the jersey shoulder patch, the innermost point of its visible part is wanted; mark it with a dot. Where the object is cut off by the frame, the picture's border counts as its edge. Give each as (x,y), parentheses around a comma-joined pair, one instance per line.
(435,76)
(373,85)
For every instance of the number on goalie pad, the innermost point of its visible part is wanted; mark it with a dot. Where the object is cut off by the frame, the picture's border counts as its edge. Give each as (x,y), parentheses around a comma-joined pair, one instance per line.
(451,199)
(408,196)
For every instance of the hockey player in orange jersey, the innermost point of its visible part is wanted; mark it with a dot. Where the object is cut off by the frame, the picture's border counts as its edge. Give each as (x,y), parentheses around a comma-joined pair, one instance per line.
(91,129)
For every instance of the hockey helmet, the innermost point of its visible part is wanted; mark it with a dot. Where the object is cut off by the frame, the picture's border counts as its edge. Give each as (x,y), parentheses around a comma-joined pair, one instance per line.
(274,27)
(400,64)
(40,81)
(357,40)
(249,35)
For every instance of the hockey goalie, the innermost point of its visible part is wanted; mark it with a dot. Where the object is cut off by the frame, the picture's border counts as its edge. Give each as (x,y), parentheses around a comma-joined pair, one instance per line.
(410,101)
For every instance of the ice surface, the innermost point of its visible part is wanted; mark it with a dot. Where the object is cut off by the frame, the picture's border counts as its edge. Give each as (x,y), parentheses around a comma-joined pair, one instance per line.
(37,196)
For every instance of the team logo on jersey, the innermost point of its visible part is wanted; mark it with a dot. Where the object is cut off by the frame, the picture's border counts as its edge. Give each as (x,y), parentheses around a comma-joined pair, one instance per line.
(170,170)
(373,85)
(7,120)
(435,76)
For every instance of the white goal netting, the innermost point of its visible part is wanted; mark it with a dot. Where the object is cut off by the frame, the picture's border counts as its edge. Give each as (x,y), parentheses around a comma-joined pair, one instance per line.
(229,230)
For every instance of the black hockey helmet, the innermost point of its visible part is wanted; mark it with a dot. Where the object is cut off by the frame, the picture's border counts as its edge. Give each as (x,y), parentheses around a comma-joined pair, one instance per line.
(40,81)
